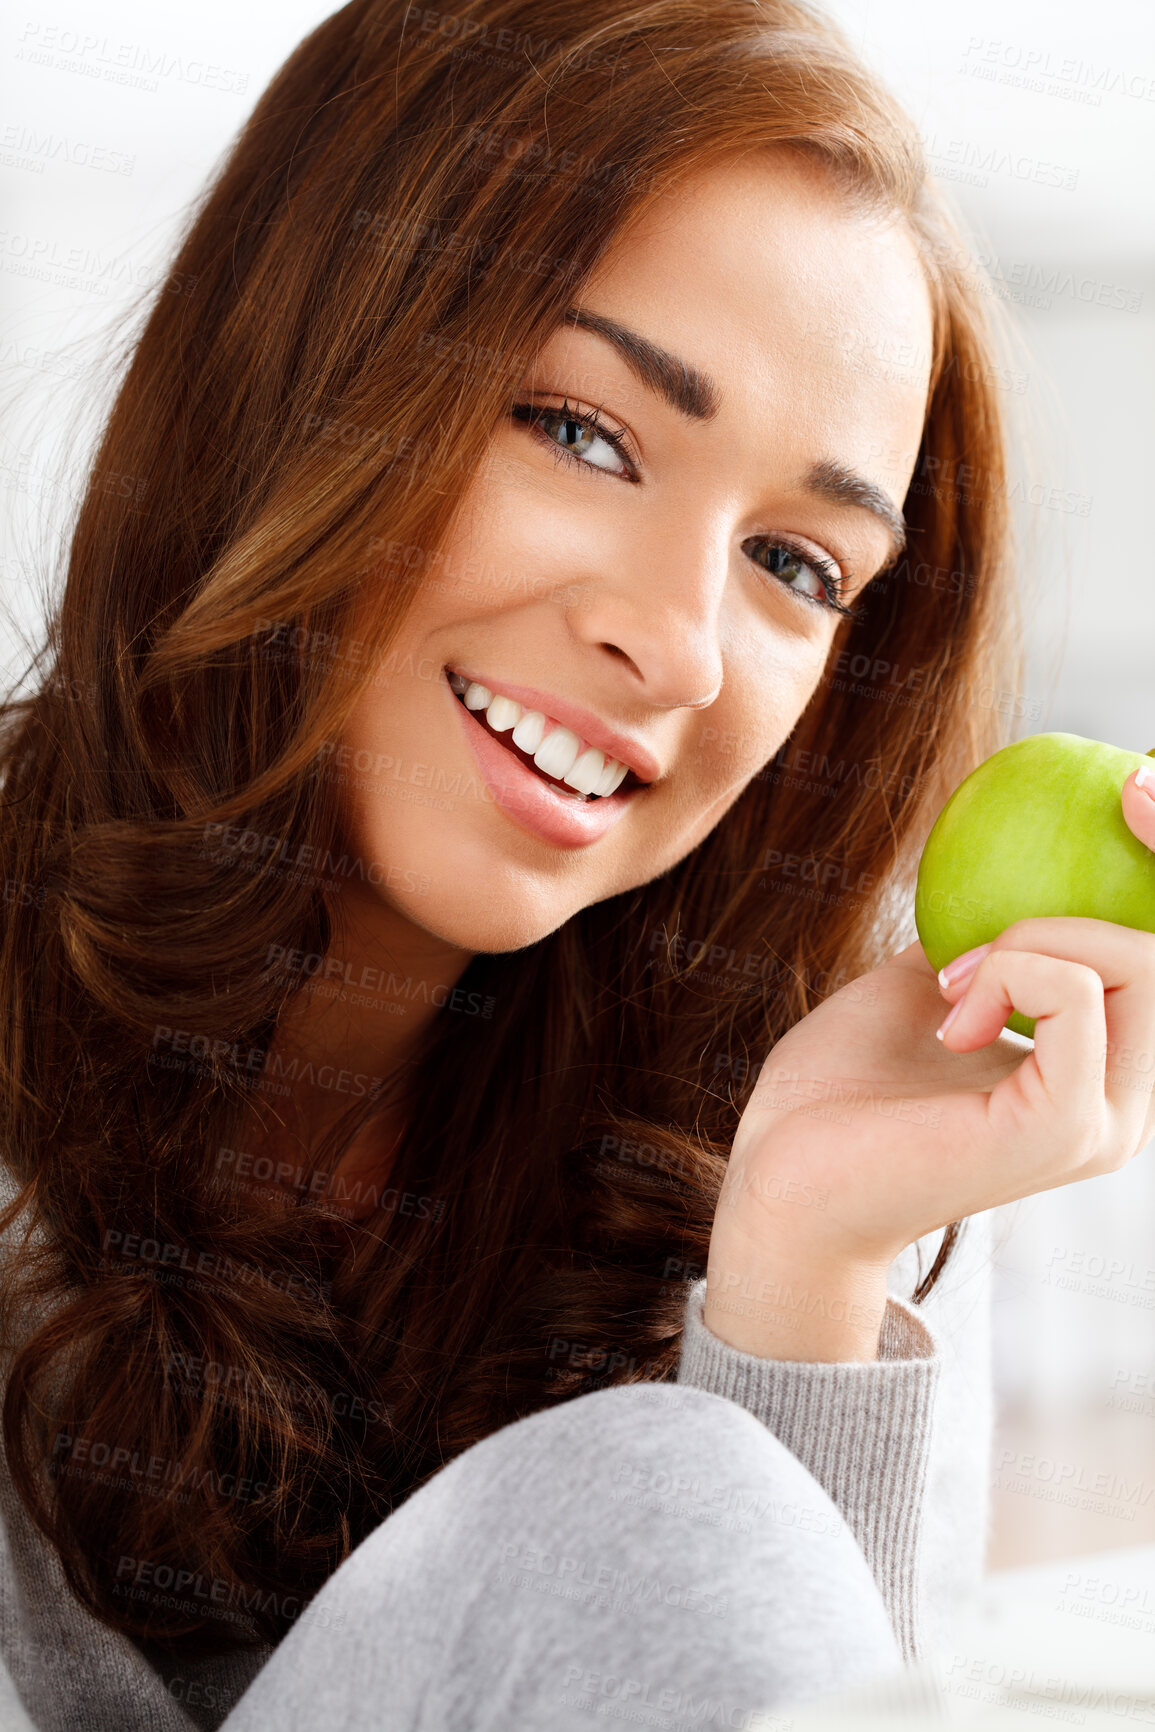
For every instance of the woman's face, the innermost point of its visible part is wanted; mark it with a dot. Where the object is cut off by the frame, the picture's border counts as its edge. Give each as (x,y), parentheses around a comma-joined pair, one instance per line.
(665,590)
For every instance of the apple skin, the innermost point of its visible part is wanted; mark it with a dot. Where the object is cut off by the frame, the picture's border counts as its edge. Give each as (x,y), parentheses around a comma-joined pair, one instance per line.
(1036,829)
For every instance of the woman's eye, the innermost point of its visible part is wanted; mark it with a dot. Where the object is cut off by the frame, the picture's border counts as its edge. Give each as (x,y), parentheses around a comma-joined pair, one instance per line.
(580,437)
(820,580)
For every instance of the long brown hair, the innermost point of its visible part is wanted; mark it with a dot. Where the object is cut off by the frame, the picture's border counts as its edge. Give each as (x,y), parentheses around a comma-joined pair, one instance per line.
(414,203)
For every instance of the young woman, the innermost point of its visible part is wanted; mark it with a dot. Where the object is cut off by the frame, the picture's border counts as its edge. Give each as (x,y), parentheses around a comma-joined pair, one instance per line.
(474,1117)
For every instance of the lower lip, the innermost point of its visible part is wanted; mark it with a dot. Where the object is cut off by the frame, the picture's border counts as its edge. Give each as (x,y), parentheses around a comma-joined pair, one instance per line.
(528,800)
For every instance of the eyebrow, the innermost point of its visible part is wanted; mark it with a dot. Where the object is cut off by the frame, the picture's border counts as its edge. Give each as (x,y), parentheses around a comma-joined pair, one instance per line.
(695,395)
(835,481)
(692,393)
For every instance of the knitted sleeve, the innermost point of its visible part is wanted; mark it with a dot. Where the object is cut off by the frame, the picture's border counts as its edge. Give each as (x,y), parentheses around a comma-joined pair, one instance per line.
(863,1430)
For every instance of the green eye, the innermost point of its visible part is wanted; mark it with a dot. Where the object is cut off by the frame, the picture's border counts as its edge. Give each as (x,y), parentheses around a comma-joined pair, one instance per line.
(785,561)
(580,437)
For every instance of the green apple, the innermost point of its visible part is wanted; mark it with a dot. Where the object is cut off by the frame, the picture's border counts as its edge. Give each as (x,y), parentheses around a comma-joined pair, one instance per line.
(1037,829)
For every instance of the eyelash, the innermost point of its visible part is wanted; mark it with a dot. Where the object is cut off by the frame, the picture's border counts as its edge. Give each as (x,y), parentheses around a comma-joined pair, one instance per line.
(834,580)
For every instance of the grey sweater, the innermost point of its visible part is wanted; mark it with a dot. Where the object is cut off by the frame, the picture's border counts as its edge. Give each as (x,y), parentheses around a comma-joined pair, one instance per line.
(901,1445)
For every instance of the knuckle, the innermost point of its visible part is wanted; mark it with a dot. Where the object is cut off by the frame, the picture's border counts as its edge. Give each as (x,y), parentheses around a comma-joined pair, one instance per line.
(1144,947)
(1084,979)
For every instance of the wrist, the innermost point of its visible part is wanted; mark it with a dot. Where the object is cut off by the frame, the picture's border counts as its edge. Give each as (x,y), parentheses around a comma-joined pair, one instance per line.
(815,1310)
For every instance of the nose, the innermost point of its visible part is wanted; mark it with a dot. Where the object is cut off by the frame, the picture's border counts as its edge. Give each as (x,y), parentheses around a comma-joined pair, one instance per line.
(656,603)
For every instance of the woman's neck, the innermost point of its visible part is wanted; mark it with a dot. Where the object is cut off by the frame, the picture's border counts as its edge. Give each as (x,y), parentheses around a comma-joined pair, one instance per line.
(349,1031)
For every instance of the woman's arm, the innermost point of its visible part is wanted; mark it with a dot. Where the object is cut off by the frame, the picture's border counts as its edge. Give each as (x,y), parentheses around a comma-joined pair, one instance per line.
(862,1428)
(901,1443)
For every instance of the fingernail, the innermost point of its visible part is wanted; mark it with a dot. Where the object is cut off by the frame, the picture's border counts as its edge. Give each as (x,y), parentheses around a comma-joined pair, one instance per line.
(1145,779)
(962,965)
(949,1018)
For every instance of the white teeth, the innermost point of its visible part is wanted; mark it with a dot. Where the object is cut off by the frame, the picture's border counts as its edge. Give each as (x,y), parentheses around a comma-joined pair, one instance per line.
(503,713)
(558,752)
(611,778)
(587,772)
(530,731)
(601,786)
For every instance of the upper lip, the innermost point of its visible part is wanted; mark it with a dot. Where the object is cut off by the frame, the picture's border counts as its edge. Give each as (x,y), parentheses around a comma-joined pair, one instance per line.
(583,722)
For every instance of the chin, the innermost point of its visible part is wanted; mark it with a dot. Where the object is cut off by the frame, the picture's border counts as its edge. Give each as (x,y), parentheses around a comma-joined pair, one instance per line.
(469,919)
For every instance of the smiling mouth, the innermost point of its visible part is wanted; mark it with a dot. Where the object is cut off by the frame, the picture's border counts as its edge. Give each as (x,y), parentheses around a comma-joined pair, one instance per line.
(555,783)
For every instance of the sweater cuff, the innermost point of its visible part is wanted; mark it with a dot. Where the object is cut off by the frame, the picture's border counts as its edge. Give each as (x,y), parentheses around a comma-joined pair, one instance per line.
(862,1429)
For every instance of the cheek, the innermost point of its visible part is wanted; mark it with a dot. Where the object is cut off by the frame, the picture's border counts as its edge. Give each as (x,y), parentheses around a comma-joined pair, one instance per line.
(768,696)
(525,519)
(487,528)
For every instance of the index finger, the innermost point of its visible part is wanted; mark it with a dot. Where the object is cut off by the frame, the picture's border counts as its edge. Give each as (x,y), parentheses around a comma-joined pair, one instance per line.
(1124,960)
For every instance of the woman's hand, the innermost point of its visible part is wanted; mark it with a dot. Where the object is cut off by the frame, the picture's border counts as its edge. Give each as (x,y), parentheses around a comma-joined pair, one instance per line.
(864,1131)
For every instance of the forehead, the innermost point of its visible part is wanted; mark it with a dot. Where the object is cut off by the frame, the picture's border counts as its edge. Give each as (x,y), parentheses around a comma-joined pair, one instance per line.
(764,274)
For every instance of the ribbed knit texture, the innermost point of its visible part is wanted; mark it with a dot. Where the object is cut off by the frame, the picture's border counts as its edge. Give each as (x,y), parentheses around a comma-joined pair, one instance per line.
(862,1429)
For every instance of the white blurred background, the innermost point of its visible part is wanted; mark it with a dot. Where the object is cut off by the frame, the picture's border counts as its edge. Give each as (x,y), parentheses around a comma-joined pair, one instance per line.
(1040,118)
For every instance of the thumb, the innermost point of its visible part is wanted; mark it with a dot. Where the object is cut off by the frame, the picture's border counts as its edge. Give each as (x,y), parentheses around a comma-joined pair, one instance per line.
(1138,798)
